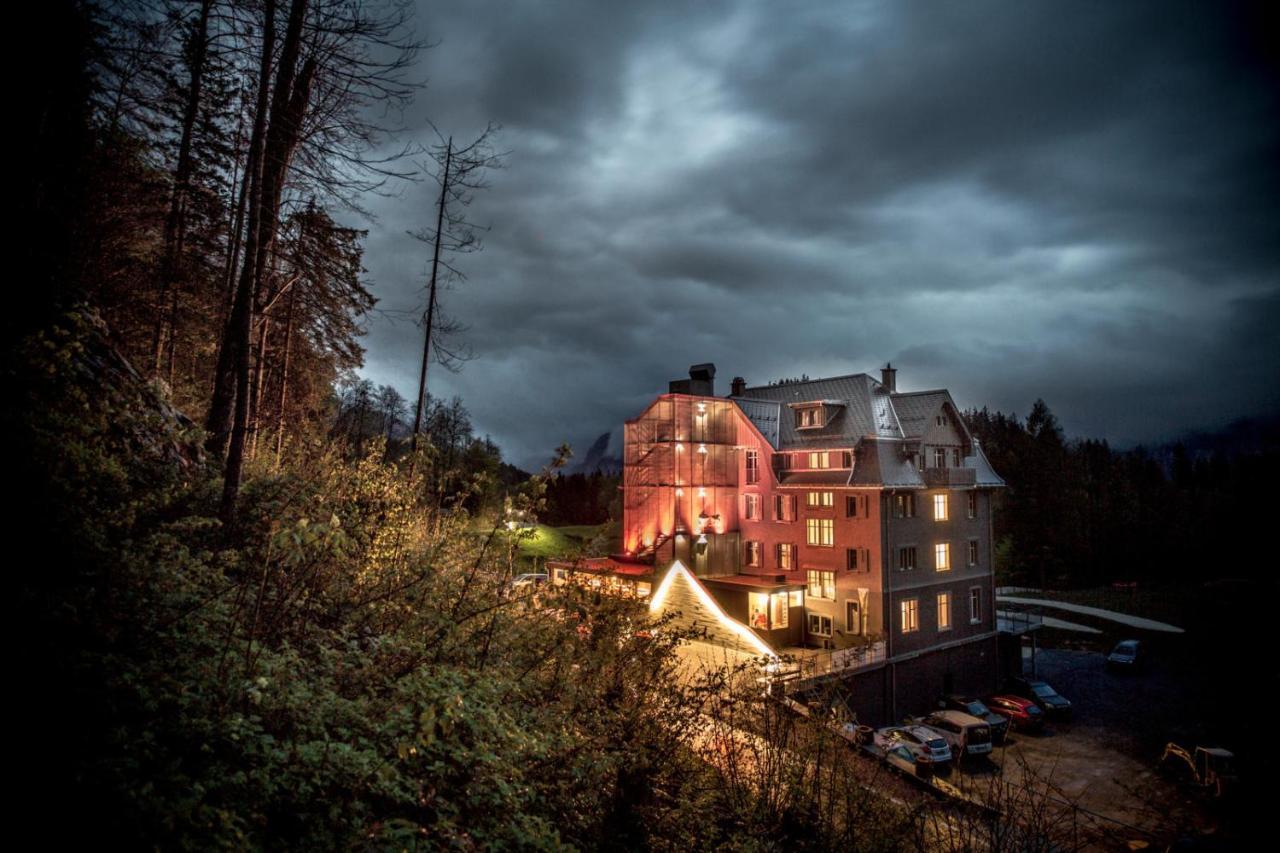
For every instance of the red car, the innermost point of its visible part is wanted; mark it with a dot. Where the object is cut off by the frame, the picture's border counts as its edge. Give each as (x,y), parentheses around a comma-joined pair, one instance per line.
(1023,714)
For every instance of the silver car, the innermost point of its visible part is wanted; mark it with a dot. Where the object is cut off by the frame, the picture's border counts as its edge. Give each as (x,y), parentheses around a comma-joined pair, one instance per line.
(925,744)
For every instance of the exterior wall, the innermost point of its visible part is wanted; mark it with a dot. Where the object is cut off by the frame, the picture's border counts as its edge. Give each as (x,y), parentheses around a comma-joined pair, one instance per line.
(680,476)
(924,582)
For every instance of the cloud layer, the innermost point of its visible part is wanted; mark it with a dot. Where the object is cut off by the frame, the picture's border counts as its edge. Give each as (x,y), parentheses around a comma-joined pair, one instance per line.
(1009,200)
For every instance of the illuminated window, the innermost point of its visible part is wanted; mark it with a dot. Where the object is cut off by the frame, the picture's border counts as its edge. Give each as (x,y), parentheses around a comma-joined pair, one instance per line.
(753,466)
(809,418)
(821,531)
(822,584)
(939,457)
(751,507)
(797,598)
(906,558)
(820,625)
(769,611)
(820,459)
(942,556)
(940,507)
(973,552)
(820,499)
(910,608)
(975,604)
(973,504)
(752,553)
(944,611)
(904,505)
(785,553)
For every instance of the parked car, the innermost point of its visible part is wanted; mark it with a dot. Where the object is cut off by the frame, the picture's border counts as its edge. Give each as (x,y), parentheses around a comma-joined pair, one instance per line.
(1127,656)
(529,579)
(1023,714)
(902,758)
(964,733)
(975,708)
(1049,700)
(925,744)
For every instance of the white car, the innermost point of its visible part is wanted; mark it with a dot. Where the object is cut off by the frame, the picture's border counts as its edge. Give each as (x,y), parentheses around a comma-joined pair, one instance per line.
(529,579)
(925,744)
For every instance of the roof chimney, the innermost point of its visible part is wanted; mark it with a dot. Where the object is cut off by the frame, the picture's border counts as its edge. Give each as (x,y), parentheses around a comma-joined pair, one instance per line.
(738,387)
(889,377)
(701,381)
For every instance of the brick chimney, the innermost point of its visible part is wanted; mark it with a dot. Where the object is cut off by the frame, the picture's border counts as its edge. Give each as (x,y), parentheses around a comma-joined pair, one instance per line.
(889,377)
(737,387)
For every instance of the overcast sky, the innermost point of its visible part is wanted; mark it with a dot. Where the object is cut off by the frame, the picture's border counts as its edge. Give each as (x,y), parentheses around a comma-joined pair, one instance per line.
(1076,201)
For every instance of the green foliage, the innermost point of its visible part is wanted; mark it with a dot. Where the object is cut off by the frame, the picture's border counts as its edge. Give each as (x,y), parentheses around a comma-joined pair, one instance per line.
(348,666)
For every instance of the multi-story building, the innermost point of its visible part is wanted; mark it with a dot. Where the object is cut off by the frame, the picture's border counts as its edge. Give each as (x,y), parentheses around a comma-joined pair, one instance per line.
(838,514)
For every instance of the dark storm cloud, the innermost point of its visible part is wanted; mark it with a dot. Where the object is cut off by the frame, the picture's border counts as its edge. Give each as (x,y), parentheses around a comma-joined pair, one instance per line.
(1012,200)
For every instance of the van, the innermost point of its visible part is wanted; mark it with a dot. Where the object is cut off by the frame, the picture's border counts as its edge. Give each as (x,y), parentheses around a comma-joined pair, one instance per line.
(966,734)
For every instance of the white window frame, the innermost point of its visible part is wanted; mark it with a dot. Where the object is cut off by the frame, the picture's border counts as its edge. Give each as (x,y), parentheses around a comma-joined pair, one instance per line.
(909,615)
(942,556)
(944,611)
(820,582)
(941,505)
(820,532)
(975,605)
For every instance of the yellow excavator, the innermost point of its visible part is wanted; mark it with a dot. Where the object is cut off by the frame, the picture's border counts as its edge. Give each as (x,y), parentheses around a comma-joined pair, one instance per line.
(1209,768)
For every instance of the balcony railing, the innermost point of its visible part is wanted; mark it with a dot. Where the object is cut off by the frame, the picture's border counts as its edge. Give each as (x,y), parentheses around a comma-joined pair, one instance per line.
(950,476)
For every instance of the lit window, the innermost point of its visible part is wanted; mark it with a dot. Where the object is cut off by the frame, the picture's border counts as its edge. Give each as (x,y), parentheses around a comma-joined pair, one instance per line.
(910,615)
(822,584)
(809,418)
(906,558)
(753,466)
(797,598)
(823,499)
(940,507)
(779,612)
(973,552)
(752,507)
(752,553)
(975,604)
(820,625)
(942,556)
(820,531)
(786,555)
(973,504)
(769,611)
(944,611)
(820,459)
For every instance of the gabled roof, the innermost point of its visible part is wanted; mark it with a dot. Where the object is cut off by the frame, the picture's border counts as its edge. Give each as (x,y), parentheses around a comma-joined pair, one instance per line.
(916,408)
(692,607)
(857,406)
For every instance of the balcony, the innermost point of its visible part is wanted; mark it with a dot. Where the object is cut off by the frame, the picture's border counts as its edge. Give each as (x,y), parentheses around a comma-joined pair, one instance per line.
(950,476)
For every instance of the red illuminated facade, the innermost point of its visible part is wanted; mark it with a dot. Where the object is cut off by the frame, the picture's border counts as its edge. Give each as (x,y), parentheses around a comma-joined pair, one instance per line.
(834,514)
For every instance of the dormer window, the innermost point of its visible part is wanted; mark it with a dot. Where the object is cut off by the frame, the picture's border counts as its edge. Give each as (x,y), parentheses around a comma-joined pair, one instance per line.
(809,418)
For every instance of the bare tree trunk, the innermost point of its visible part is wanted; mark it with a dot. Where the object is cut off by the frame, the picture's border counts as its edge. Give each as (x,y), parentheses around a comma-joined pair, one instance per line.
(221,407)
(288,107)
(284,374)
(431,309)
(176,221)
(259,384)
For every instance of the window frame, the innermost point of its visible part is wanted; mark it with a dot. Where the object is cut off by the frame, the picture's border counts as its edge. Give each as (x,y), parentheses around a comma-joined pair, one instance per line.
(818,619)
(825,532)
(942,556)
(903,552)
(942,504)
(824,580)
(944,611)
(909,607)
(973,552)
(975,605)
(752,461)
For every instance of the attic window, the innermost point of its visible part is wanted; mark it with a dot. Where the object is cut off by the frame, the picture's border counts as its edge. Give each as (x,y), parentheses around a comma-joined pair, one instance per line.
(809,418)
